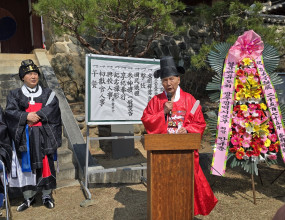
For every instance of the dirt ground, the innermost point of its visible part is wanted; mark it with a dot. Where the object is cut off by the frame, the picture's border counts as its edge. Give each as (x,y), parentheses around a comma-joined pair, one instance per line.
(129,201)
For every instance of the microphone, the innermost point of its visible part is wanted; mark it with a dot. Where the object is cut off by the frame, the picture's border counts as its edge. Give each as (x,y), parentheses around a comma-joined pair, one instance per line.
(169,95)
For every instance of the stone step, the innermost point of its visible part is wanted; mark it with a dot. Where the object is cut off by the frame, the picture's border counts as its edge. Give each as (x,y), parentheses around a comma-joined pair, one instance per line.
(64,143)
(64,155)
(17,57)
(66,172)
(13,63)
(126,174)
(10,63)
(9,69)
(66,183)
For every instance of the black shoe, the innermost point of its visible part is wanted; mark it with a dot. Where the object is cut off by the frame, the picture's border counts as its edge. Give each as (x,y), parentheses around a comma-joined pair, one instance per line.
(48,202)
(26,204)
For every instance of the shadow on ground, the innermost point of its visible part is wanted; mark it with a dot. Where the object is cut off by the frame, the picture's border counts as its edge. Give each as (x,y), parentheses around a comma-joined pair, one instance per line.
(134,208)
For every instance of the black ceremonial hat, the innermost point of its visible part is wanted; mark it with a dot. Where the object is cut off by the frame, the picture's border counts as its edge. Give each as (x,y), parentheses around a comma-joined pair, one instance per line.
(168,68)
(26,67)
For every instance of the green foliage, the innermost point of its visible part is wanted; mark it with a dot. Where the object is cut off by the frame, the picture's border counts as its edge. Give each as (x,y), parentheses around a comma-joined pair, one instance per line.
(229,19)
(116,22)
(199,61)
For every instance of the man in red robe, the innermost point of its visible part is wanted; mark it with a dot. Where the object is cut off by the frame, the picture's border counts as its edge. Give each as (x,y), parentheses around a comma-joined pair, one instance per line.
(175,111)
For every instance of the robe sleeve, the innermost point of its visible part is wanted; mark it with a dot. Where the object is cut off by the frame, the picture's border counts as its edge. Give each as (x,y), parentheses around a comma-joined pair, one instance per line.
(194,123)
(5,143)
(51,112)
(153,117)
(16,118)
(13,111)
(51,121)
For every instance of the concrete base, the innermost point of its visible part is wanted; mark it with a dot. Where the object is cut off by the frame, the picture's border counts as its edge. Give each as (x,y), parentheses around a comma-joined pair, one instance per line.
(122,147)
(127,174)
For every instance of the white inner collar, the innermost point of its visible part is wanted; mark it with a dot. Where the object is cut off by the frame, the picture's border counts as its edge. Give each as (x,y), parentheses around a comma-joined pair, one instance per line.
(177,94)
(28,94)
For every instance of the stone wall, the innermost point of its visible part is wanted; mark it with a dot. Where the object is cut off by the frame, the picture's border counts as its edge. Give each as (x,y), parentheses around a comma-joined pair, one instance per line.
(7,82)
(68,61)
(67,57)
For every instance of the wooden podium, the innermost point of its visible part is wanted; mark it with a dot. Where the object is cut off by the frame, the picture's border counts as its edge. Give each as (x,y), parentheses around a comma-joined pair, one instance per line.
(170,175)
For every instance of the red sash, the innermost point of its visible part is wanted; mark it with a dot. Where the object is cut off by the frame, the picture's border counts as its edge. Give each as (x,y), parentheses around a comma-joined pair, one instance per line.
(34,108)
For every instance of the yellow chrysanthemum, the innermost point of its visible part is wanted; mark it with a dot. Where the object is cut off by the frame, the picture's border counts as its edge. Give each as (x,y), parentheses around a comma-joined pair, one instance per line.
(252,81)
(243,107)
(267,143)
(247,93)
(241,149)
(263,106)
(246,61)
(240,95)
(250,77)
(263,130)
(236,82)
(246,84)
(255,93)
(256,128)
(264,126)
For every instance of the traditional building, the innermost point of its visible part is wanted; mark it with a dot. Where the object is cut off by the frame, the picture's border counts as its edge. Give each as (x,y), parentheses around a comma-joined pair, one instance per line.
(20,30)
(274,12)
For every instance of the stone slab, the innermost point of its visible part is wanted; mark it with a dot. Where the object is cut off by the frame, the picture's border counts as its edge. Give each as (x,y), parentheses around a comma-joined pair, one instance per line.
(122,147)
(126,174)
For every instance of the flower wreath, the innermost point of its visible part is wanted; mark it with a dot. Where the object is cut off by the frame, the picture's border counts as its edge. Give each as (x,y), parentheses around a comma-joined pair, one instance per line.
(250,128)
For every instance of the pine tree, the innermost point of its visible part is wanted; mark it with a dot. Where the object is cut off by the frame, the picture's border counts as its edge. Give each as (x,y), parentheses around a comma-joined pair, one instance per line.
(227,20)
(115,24)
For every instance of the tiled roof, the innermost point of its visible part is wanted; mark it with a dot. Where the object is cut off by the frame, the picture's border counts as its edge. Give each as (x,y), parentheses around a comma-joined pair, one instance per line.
(269,8)
(277,19)
(274,12)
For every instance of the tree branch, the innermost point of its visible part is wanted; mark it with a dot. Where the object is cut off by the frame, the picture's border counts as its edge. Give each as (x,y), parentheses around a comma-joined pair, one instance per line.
(147,47)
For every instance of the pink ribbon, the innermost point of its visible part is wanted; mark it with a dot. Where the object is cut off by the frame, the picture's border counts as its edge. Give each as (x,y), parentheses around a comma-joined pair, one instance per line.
(224,119)
(247,45)
(272,103)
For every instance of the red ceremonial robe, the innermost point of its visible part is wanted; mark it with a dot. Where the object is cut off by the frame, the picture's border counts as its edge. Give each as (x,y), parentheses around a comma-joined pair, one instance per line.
(154,121)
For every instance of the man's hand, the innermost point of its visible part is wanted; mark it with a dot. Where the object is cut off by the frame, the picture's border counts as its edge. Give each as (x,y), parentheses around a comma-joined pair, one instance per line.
(32,118)
(168,107)
(182,130)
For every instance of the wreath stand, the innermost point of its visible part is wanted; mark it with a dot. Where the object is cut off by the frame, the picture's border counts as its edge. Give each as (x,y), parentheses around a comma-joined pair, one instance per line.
(253,189)
(253,185)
